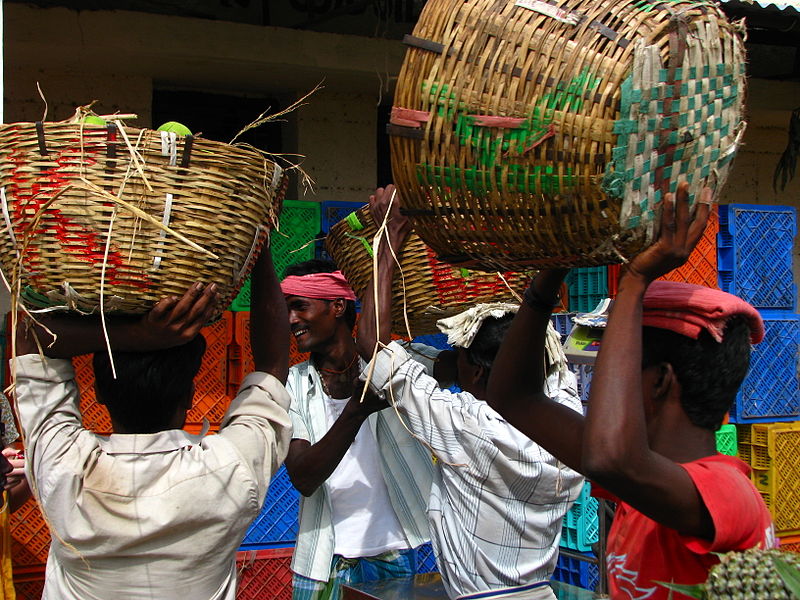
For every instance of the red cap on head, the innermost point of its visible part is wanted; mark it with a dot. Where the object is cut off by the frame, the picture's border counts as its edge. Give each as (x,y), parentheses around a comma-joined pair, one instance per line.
(322,286)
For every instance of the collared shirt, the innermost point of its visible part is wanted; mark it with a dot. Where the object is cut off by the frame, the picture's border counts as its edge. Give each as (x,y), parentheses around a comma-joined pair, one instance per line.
(146,516)
(497,499)
(406,464)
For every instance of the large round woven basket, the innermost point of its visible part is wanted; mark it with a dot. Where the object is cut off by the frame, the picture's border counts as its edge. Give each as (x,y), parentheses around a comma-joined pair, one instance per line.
(133,214)
(532,133)
(427,289)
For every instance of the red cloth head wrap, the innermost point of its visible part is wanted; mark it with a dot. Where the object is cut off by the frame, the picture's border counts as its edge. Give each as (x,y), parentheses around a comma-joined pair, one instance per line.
(322,286)
(687,309)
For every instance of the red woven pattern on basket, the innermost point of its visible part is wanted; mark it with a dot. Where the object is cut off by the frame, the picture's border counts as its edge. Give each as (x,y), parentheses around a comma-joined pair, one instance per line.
(76,239)
(264,574)
(701,267)
(30,536)
(454,287)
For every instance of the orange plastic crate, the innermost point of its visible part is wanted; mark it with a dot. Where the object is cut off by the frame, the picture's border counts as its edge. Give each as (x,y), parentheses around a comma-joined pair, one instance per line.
(30,536)
(29,583)
(265,574)
(790,544)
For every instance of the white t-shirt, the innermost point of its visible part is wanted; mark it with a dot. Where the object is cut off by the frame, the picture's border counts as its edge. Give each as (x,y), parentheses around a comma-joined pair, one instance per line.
(364,522)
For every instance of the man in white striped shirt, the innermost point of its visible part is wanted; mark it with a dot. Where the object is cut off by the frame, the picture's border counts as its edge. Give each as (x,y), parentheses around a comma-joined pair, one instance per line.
(497,499)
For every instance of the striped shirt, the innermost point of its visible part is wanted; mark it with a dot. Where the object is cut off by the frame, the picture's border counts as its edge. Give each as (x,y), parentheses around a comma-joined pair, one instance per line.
(497,499)
(407,471)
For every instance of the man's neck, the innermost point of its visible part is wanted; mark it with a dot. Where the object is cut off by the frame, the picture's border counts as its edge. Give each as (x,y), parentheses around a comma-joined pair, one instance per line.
(337,355)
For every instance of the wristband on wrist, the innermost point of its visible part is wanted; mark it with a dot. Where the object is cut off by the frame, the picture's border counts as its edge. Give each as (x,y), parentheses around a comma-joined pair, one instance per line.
(532,298)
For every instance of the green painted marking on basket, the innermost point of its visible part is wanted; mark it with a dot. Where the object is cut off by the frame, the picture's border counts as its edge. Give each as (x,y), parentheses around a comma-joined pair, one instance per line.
(364,242)
(570,95)
(354,222)
(542,179)
(464,272)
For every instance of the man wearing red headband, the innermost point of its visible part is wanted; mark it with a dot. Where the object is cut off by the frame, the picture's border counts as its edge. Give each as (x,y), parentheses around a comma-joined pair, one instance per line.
(365,481)
(671,361)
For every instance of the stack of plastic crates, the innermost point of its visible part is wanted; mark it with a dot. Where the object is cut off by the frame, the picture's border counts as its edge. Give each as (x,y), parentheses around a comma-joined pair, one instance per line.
(755,246)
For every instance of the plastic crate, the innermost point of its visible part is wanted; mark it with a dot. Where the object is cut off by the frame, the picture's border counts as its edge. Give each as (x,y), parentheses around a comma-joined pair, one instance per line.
(574,571)
(334,211)
(726,439)
(426,559)
(587,286)
(580,527)
(434,340)
(277,523)
(583,373)
(755,254)
(30,536)
(701,266)
(562,322)
(291,243)
(773,450)
(29,582)
(771,391)
(790,543)
(264,574)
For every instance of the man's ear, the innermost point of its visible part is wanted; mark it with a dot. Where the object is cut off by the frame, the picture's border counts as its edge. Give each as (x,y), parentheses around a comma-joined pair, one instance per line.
(339,306)
(665,380)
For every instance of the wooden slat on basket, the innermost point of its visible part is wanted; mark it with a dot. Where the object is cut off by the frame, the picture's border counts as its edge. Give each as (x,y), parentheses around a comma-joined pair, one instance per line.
(433,289)
(68,186)
(526,134)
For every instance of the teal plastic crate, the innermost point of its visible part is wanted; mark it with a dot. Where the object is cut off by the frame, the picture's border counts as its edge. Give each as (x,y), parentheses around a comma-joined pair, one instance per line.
(580,527)
(726,439)
(587,286)
(292,243)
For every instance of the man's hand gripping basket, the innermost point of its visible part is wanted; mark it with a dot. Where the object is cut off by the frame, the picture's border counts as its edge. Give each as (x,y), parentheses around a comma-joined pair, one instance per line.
(428,289)
(528,133)
(131,214)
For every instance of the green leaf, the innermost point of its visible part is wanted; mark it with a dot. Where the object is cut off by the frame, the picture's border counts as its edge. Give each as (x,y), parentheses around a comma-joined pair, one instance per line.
(697,590)
(789,573)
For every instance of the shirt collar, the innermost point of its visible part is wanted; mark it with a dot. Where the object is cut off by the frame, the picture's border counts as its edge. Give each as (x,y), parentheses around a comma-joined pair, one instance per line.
(151,443)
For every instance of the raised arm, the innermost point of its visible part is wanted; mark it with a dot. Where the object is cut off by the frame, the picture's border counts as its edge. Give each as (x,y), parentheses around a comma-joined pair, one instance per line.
(617,453)
(269,320)
(516,382)
(172,322)
(397,230)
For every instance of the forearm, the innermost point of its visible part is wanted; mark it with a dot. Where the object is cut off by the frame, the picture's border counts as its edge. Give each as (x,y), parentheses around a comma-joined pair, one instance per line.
(368,332)
(66,336)
(269,320)
(616,434)
(309,466)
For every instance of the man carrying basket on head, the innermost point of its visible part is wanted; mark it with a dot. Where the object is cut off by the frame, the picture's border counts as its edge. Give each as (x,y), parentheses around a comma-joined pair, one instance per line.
(498,499)
(151,511)
(365,481)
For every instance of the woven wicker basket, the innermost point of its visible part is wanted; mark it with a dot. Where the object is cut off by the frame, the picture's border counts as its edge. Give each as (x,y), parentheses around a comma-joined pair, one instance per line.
(142,213)
(529,134)
(433,289)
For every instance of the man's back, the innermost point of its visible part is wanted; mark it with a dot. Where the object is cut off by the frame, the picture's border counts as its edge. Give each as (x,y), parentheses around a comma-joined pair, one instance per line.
(147,515)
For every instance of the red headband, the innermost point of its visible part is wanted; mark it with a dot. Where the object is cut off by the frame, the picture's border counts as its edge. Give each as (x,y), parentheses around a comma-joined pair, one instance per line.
(687,309)
(322,286)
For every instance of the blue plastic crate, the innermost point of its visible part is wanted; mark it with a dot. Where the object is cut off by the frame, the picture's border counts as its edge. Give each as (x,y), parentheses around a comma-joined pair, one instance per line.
(754,254)
(426,560)
(434,340)
(771,391)
(575,571)
(276,526)
(583,373)
(581,526)
(587,287)
(562,323)
(334,211)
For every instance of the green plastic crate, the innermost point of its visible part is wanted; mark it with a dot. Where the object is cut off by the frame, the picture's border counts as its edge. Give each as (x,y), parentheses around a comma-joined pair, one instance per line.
(293,242)
(726,439)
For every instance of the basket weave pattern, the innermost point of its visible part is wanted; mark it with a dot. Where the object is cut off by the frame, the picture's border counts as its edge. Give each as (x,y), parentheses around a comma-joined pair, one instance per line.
(525,134)
(433,289)
(84,204)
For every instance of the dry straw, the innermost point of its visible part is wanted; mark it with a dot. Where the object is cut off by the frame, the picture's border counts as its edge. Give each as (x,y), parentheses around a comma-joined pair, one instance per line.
(526,134)
(424,289)
(113,218)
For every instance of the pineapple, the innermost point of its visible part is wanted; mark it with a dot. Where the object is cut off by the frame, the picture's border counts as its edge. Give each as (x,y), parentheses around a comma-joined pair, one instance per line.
(750,575)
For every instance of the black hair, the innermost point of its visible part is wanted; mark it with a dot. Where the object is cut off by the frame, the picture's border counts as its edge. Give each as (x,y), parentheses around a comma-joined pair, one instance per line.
(486,343)
(709,372)
(321,265)
(150,386)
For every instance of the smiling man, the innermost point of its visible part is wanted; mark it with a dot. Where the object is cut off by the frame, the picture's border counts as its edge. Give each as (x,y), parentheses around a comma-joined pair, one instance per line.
(365,489)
